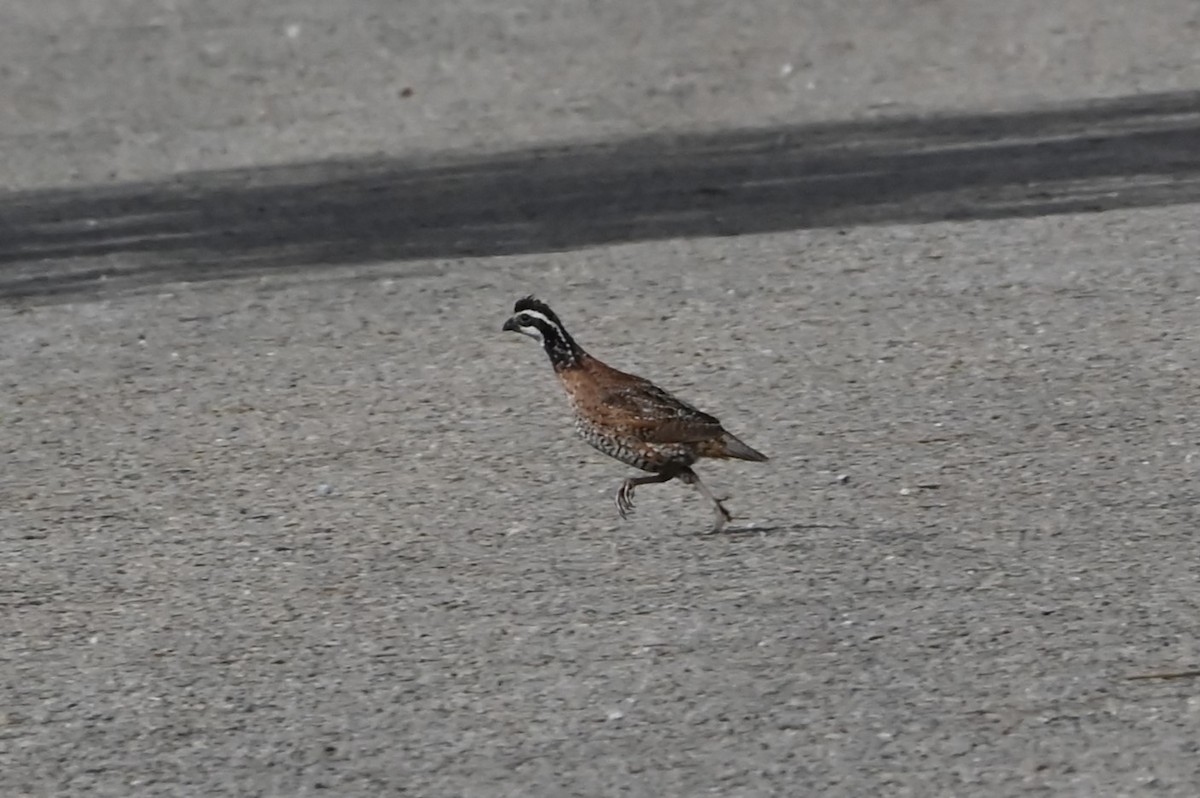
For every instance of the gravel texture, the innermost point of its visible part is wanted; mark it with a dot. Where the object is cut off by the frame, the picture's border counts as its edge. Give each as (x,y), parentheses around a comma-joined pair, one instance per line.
(283,513)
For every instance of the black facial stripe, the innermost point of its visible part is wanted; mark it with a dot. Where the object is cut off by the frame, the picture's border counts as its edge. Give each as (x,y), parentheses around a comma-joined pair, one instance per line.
(559,346)
(542,322)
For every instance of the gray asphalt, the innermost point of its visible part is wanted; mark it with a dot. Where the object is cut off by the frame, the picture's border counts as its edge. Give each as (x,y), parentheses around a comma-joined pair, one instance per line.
(283,513)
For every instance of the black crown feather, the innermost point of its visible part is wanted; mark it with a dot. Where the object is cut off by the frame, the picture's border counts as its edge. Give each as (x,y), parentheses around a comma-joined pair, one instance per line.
(534,304)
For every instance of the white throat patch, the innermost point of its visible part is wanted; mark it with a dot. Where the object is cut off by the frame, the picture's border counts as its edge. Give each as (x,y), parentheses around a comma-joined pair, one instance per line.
(532,332)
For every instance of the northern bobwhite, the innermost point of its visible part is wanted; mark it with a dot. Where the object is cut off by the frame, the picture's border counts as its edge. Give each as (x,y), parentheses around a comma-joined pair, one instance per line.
(630,418)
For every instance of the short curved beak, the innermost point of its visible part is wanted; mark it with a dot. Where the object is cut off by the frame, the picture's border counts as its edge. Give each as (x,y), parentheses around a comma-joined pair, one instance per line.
(510,325)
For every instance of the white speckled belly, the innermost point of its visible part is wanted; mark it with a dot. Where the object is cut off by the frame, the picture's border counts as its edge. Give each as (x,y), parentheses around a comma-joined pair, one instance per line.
(633,451)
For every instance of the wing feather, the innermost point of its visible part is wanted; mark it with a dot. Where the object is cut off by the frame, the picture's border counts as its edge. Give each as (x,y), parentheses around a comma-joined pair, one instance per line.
(658,416)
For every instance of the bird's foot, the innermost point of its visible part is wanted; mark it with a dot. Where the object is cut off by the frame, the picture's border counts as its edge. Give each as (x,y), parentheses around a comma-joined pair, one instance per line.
(723,516)
(625,498)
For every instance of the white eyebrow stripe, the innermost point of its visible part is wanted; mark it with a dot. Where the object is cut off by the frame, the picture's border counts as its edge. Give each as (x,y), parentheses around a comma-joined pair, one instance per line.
(538,315)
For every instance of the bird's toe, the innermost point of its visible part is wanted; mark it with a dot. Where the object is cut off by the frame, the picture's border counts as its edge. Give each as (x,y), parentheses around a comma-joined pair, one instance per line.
(625,500)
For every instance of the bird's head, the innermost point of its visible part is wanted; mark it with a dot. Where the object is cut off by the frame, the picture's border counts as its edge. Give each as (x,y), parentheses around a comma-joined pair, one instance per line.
(534,318)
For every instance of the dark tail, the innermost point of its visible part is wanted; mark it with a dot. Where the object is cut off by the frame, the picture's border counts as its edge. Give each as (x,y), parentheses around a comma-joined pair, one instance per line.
(735,448)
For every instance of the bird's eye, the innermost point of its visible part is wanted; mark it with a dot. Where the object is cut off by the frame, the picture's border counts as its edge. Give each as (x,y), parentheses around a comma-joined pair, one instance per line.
(524,319)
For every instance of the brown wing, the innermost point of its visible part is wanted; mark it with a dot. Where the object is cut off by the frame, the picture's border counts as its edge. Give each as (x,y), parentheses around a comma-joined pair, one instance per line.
(657,416)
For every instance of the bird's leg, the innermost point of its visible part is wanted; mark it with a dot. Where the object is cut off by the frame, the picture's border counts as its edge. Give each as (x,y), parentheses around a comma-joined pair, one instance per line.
(723,517)
(625,492)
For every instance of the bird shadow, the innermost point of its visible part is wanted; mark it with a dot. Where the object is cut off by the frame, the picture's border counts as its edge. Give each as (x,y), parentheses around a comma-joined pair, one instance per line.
(736,531)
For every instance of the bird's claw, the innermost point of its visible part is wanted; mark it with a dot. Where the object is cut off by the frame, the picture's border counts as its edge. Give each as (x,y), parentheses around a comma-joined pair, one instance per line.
(625,500)
(723,517)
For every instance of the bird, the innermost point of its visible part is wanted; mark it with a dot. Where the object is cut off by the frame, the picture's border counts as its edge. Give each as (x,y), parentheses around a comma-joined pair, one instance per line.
(628,417)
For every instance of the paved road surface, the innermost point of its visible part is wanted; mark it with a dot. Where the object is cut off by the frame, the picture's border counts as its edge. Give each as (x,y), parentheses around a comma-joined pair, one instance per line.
(283,513)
